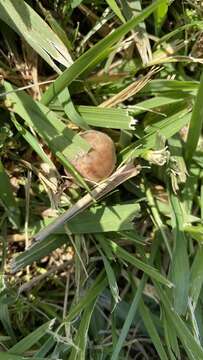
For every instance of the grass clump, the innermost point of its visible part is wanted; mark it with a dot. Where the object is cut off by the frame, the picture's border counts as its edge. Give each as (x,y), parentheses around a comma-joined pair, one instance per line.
(109,270)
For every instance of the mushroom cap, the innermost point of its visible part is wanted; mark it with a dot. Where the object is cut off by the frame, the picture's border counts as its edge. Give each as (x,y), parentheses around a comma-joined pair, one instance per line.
(100,161)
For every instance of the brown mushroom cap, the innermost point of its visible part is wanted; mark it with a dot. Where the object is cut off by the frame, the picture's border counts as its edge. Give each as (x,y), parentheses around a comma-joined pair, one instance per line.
(100,161)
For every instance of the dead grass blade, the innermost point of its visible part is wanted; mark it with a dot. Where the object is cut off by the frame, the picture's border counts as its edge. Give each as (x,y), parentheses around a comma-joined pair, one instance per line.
(124,173)
(130,90)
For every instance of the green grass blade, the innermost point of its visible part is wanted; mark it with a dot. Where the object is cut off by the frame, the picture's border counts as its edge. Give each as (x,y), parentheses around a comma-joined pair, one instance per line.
(7,198)
(129,319)
(171,338)
(110,276)
(70,111)
(166,128)
(80,340)
(46,347)
(27,342)
(169,87)
(28,24)
(86,60)
(133,309)
(64,142)
(166,37)
(107,117)
(37,251)
(151,329)
(196,276)
(6,321)
(6,356)
(93,292)
(98,219)
(32,141)
(195,124)
(180,263)
(160,15)
(149,270)
(116,118)
(113,5)
(193,349)
(154,102)
(46,123)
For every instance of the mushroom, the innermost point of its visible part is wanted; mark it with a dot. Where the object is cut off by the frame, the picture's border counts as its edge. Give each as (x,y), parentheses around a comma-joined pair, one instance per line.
(100,161)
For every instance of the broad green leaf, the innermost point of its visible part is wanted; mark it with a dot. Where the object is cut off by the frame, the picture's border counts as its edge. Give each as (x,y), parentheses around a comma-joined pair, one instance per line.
(103,117)
(99,219)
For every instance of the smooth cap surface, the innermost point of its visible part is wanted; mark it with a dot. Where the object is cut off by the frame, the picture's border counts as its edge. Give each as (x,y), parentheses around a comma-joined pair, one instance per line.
(100,161)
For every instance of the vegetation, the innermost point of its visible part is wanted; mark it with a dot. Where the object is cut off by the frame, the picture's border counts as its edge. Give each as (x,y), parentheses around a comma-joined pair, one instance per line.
(118,274)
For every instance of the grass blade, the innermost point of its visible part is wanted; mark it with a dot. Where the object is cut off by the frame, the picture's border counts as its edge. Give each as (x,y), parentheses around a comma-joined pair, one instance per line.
(166,128)
(133,309)
(151,329)
(193,349)
(32,141)
(196,276)
(7,198)
(99,219)
(64,142)
(113,5)
(81,337)
(148,269)
(28,24)
(180,262)
(195,125)
(27,342)
(160,15)
(6,356)
(86,60)
(96,289)
(38,251)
